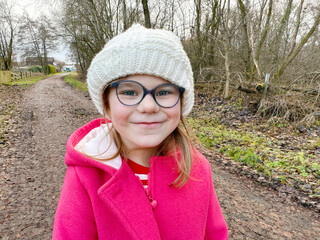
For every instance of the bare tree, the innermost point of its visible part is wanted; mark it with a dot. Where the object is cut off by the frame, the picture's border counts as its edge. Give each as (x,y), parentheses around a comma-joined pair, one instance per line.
(228,29)
(87,26)
(38,36)
(212,30)
(60,65)
(8,24)
(197,38)
(295,51)
(263,36)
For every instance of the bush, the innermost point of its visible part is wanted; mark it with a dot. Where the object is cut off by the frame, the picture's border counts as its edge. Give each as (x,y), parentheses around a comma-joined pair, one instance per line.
(52,69)
(36,68)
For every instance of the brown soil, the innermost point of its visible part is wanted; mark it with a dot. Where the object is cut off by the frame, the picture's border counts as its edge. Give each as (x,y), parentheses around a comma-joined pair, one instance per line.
(32,171)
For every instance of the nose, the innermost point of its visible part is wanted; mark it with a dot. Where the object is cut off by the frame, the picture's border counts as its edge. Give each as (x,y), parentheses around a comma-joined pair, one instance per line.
(148,104)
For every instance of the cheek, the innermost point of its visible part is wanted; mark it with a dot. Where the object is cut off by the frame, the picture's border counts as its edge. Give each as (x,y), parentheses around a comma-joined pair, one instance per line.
(113,108)
(116,111)
(175,114)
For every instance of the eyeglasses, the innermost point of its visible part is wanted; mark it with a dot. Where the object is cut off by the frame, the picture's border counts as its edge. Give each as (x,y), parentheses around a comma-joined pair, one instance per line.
(131,93)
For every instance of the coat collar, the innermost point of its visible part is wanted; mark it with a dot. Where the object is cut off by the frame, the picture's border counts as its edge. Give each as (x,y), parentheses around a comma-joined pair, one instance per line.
(124,194)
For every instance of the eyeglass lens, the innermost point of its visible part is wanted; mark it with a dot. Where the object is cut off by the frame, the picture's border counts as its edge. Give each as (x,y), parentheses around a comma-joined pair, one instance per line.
(131,93)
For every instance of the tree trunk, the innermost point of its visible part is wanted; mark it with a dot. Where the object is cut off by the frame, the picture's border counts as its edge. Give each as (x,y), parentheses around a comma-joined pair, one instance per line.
(147,21)
(247,59)
(214,26)
(255,62)
(124,10)
(227,68)
(280,31)
(294,37)
(264,32)
(6,45)
(198,46)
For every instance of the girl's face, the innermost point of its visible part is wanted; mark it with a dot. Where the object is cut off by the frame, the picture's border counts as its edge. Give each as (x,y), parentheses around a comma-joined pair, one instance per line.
(146,125)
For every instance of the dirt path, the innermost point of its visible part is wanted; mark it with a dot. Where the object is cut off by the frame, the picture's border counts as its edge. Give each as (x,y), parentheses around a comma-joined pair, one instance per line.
(32,171)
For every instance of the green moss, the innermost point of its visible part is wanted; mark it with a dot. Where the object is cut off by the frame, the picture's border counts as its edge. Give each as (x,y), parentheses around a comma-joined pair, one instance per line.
(258,151)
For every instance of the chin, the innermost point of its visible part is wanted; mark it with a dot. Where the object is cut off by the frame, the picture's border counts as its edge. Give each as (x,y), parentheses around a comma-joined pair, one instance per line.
(148,144)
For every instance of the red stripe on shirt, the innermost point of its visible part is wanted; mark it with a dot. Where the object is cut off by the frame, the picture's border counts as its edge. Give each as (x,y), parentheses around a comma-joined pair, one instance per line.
(141,170)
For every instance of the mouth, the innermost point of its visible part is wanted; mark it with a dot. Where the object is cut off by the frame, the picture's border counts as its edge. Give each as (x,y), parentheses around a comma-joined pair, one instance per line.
(148,124)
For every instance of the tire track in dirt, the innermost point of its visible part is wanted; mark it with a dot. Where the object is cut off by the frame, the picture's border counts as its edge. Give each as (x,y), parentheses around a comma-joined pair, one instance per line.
(32,173)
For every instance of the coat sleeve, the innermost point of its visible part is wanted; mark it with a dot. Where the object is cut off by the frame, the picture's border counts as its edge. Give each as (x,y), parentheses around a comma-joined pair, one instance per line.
(216,227)
(74,217)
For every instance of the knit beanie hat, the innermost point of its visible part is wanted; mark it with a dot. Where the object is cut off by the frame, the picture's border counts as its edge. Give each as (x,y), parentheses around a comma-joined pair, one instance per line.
(139,50)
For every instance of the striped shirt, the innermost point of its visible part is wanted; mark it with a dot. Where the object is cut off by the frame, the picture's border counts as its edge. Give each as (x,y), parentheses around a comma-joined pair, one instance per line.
(140,171)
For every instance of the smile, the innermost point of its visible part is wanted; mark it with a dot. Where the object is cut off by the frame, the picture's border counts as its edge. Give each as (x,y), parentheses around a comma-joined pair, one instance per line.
(148,124)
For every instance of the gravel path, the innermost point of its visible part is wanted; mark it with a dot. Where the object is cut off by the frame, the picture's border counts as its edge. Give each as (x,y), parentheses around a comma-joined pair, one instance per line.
(34,164)
(32,171)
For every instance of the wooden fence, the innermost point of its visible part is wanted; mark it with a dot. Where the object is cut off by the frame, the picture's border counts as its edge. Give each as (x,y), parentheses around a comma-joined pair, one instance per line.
(5,76)
(8,76)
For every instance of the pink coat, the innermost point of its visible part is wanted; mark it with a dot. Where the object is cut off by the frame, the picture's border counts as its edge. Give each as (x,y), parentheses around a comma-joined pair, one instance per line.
(101,202)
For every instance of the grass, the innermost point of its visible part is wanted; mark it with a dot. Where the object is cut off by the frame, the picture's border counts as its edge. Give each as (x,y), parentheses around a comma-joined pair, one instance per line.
(72,79)
(30,80)
(262,152)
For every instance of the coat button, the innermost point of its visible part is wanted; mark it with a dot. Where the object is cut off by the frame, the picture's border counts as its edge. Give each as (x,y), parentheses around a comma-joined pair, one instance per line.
(154,203)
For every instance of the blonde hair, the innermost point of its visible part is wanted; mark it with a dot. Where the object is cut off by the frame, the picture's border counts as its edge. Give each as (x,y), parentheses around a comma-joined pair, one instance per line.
(179,140)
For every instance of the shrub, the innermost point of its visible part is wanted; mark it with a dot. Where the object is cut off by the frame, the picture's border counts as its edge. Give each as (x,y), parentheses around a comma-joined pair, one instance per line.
(36,68)
(52,69)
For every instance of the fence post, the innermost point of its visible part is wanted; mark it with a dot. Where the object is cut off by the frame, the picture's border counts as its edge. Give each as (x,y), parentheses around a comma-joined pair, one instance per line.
(5,76)
(264,96)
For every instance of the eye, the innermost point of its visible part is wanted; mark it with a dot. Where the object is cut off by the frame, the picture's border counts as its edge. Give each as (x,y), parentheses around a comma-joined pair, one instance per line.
(166,90)
(128,93)
(163,92)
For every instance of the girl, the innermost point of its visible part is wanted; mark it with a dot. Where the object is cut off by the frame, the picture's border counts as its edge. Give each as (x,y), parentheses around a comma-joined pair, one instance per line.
(134,174)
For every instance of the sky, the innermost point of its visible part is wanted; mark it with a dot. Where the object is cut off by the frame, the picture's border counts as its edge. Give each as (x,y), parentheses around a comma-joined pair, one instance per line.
(34,8)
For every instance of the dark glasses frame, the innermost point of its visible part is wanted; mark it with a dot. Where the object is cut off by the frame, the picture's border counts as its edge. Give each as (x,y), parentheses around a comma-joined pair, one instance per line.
(145,91)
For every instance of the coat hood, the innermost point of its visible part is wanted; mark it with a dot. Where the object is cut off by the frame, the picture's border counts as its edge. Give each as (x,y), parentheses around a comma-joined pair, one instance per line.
(91,144)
